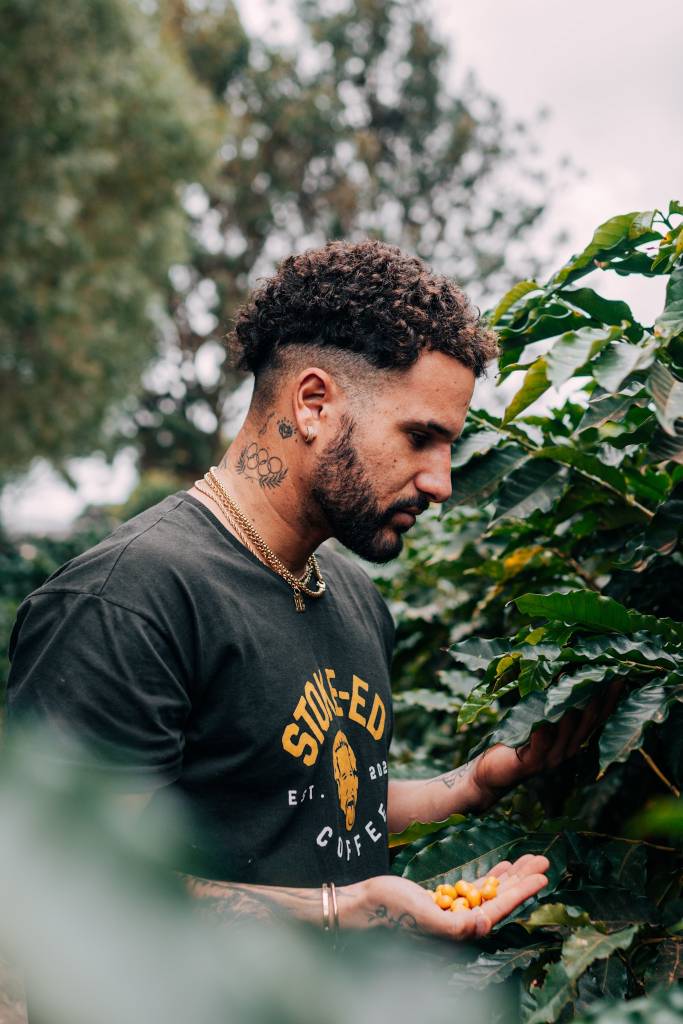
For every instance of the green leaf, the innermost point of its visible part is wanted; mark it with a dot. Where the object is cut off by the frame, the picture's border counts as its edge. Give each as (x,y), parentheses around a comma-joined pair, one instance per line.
(510,298)
(480,477)
(664,448)
(533,487)
(607,236)
(623,732)
(665,965)
(491,968)
(480,698)
(607,311)
(554,915)
(605,979)
(419,829)
(586,608)
(535,383)
(664,818)
(675,207)
(431,700)
(665,1006)
(585,945)
(477,653)
(668,395)
(618,360)
(574,349)
(604,406)
(518,722)
(670,322)
(572,692)
(471,853)
(579,951)
(610,907)
(474,444)
(641,648)
(589,465)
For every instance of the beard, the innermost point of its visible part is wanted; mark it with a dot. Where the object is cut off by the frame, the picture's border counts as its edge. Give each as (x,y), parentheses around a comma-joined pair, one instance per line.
(344,494)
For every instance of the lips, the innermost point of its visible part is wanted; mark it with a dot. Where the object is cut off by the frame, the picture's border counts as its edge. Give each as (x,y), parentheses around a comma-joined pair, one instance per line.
(405,519)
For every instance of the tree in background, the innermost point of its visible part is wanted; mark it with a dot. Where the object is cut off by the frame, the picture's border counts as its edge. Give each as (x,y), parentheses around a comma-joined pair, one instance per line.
(353,133)
(100,125)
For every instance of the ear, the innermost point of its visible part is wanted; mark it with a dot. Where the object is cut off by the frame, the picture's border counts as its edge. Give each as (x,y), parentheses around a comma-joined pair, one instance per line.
(314,401)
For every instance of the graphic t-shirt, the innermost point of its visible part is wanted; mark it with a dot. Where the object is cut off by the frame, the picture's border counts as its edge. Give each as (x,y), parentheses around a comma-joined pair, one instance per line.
(175,653)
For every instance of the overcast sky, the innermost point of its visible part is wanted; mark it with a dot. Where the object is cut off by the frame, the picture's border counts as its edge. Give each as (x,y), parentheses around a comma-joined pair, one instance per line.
(611,74)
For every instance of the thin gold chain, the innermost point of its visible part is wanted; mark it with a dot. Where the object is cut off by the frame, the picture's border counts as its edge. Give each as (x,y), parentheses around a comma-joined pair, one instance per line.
(308,571)
(266,553)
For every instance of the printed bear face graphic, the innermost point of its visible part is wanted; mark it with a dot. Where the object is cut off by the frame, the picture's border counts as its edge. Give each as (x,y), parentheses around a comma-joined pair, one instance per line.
(346,777)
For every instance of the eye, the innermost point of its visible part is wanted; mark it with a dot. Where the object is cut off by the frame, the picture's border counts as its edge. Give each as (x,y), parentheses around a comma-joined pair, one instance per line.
(418,439)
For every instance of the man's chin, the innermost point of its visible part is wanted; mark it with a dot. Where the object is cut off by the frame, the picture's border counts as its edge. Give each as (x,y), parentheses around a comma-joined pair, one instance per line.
(384,549)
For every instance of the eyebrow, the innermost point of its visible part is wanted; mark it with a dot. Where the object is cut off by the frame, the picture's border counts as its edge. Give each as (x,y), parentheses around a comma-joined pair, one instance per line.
(435,428)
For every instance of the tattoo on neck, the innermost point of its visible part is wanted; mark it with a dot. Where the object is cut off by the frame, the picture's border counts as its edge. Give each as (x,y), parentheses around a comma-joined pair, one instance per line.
(257,463)
(264,428)
(404,922)
(285,428)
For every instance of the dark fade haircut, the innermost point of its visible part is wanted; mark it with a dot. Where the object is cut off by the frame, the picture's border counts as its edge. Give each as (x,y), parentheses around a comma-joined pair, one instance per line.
(364,299)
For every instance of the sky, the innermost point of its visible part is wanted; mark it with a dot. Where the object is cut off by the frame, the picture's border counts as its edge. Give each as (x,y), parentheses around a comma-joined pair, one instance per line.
(611,76)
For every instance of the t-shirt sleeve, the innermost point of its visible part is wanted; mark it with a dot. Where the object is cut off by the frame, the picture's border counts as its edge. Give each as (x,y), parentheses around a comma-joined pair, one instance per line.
(95,675)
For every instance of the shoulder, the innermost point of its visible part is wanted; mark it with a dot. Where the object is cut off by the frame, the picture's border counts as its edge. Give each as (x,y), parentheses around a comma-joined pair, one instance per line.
(149,553)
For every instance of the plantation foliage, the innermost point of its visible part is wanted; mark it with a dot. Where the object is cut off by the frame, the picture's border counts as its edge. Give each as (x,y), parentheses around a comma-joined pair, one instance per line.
(555,575)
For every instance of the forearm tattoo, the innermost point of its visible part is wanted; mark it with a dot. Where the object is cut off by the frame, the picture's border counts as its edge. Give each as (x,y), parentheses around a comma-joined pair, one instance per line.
(451,779)
(233,901)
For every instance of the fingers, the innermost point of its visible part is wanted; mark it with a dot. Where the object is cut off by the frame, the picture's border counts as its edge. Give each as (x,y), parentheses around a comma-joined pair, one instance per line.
(528,863)
(507,900)
(499,870)
(518,882)
(566,730)
(596,712)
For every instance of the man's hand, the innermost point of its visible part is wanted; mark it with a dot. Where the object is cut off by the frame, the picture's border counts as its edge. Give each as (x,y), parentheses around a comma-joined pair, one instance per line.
(391,902)
(502,767)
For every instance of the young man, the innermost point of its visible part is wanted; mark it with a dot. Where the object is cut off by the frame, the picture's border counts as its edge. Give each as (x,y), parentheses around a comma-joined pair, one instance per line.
(205,647)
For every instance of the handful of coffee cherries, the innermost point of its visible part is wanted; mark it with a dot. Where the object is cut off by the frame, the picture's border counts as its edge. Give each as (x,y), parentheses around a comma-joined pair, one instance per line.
(464,895)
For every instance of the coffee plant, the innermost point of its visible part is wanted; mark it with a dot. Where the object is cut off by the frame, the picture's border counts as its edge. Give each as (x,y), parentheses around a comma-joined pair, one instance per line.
(555,576)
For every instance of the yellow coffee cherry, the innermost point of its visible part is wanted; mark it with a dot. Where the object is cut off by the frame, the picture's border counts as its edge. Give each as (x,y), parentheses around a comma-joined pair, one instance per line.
(444,901)
(473,896)
(461,887)
(489,889)
(460,904)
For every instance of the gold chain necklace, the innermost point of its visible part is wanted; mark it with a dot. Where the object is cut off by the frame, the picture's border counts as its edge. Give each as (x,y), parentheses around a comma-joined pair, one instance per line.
(265,552)
(305,576)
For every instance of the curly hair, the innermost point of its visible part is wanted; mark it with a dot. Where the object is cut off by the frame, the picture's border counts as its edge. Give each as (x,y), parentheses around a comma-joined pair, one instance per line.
(367,298)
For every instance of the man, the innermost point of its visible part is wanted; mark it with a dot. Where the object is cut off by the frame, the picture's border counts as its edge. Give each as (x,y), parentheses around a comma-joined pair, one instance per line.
(205,647)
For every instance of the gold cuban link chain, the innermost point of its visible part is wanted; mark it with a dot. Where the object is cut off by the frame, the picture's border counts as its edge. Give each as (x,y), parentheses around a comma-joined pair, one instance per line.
(263,551)
(305,576)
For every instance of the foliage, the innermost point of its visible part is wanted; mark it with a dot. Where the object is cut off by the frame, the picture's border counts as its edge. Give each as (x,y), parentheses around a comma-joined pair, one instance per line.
(353,133)
(100,128)
(109,934)
(553,579)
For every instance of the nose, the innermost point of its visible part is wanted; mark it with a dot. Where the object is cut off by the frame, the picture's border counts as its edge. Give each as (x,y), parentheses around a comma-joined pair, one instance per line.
(434,478)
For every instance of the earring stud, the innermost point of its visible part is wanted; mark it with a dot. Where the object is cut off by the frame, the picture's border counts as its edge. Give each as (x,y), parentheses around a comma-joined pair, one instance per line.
(310,434)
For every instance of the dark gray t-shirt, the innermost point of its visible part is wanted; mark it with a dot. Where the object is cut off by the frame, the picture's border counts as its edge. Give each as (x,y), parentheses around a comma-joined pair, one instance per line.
(176,654)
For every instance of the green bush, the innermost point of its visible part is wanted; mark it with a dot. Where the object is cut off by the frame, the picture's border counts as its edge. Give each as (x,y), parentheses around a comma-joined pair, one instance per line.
(554,575)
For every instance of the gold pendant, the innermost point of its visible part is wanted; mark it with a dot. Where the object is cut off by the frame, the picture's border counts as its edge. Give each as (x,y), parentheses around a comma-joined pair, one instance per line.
(299,601)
